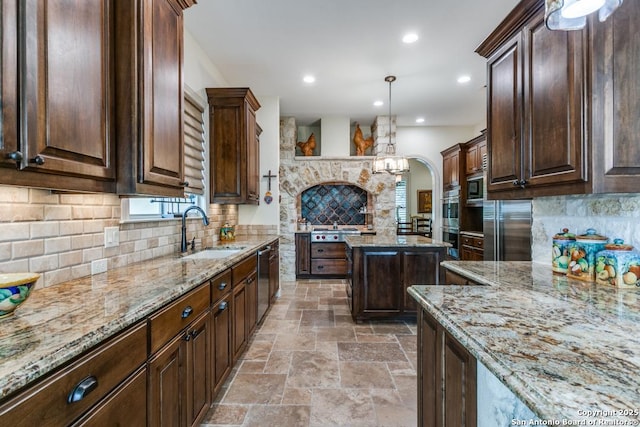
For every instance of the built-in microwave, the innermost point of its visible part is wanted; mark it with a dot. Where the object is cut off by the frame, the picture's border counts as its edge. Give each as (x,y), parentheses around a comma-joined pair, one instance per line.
(475,189)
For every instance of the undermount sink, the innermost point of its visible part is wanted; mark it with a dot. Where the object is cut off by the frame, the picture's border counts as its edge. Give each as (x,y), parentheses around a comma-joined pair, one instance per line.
(214,253)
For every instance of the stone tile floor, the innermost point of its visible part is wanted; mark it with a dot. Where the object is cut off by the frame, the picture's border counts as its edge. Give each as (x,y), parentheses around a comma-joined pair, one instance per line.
(309,364)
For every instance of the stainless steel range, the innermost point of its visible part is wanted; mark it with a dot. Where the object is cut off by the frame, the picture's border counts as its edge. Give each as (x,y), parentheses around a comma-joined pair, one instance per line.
(322,234)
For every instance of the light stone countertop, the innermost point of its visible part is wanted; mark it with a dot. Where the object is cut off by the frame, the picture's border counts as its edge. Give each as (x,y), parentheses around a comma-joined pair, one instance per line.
(562,346)
(392,240)
(60,322)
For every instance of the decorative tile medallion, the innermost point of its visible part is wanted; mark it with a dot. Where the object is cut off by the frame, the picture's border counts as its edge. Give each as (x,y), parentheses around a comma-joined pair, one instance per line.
(328,203)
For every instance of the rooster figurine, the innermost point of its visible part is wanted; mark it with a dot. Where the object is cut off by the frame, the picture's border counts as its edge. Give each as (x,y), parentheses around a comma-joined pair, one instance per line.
(361,143)
(307,147)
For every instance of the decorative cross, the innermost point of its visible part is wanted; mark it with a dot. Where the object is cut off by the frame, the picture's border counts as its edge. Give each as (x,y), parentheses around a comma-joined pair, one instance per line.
(269,176)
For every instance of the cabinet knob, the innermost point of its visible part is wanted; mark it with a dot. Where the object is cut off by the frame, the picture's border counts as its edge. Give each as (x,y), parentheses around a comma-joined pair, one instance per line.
(222,285)
(187,312)
(82,389)
(187,337)
(222,306)
(195,333)
(16,156)
(38,160)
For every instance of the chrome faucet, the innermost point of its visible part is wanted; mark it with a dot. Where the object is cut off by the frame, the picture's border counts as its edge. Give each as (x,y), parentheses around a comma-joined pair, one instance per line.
(205,221)
(335,225)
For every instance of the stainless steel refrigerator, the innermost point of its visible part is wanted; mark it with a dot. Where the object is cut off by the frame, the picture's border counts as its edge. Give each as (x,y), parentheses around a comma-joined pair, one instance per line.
(507,230)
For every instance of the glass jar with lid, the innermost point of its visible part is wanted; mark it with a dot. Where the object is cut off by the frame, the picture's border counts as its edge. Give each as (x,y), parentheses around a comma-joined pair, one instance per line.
(618,265)
(583,255)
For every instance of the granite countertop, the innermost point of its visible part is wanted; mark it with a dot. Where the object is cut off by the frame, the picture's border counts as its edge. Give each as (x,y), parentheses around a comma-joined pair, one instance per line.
(60,322)
(393,240)
(562,346)
(473,233)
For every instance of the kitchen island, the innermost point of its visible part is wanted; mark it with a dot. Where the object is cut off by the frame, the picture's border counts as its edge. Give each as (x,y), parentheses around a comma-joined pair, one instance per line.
(383,266)
(569,350)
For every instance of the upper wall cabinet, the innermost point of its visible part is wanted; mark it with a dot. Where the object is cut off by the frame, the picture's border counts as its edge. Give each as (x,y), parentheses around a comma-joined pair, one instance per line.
(234,146)
(452,164)
(150,97)
(562,105)
(57,95)
(536,103)
(616,100)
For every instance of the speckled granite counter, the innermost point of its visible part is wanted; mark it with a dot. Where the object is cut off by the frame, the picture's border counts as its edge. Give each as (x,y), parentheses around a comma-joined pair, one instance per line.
(392,240)
(562,346)
(60,322)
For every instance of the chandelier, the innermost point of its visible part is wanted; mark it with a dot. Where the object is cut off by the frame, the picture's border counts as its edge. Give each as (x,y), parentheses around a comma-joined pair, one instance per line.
(389,162)
(572,14)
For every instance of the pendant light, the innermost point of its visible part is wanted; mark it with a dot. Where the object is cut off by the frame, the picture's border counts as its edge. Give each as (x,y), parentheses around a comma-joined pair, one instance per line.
(572,14)
(389,162)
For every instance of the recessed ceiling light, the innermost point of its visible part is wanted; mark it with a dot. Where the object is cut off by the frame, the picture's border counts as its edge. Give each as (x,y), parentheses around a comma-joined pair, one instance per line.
(378,103)
(420,120)
(464,79)
(308,78)
(410,38)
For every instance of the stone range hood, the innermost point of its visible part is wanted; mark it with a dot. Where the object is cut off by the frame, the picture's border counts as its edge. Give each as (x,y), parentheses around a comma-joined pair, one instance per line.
(298,174)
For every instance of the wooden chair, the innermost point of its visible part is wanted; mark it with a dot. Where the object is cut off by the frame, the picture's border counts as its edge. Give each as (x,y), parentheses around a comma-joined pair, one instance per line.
(423,226)
(404,228)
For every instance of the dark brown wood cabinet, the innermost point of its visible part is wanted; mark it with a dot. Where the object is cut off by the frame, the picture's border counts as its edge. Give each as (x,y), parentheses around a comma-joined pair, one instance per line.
(303,254)
(381,275)
(150,97)
(453,163)
(221,329)
(234,139)
(329,259)
(475,153)
(64,105)
(537,135)
(89,379)
(615,53)
(471,247)
(446,377)
(239,322)
(274,271)
(245,303)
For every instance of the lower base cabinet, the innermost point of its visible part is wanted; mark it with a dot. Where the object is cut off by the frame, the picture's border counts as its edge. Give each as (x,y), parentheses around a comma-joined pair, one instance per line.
(446,378)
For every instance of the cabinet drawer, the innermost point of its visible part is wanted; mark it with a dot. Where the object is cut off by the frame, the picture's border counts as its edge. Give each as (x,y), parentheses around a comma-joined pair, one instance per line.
(328,250)
(478,242)
(466,240)
(177,315)
(220,285)
(244,268)
(329,266)
(106,367)
(456,279)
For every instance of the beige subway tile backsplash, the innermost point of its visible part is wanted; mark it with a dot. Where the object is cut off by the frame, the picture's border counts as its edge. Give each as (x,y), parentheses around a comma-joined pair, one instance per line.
(44,229)
(43,264)
(57,244)
(28,248)
(10,232)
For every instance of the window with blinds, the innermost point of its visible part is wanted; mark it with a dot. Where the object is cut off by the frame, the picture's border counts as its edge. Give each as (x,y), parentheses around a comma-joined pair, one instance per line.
(193,145)
(401,201)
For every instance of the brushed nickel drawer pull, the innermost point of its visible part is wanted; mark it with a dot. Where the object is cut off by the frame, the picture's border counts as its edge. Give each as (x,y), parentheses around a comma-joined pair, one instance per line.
(187,312)
(222,306)
(83,388)
(222,285)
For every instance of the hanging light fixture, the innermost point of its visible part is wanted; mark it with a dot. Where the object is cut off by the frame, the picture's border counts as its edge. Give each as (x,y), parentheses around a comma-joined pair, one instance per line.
(389,162)
(572,14)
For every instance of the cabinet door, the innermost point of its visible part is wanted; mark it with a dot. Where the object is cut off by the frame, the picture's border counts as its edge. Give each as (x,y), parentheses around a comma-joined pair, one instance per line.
(419,268)
(554,96)
(166,390)
(251,286)
(221,317)
(67,121)
(239,319)
(429,371)
(9,84)
(504,90)
(198,370)
(379,297)
(459,375)
(303,254)
(451,170)
(616,100)
(472,160)
(253,158)
(274,271)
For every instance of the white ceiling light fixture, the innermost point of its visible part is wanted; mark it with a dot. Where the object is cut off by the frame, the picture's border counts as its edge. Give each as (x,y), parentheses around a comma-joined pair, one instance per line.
(572,14)
(410,38)
(309,79)
(420,120)
(378,103)
(464,79)
(389,162)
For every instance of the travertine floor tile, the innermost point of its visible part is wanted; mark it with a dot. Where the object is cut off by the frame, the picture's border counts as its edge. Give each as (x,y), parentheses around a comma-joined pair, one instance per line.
(372,352)
(365,375)
(278,415)
(313,369)
(342,407)
(226,415)
(256,388)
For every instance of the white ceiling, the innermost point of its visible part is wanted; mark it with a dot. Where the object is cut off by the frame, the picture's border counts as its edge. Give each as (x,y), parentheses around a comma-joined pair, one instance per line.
(350,46)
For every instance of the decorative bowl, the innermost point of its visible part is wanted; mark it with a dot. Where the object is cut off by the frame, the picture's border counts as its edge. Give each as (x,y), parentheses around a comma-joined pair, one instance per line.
(15,288)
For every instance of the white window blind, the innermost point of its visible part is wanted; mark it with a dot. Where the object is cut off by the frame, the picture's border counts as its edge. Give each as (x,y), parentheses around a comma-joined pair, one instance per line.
(193,145)
(401,201)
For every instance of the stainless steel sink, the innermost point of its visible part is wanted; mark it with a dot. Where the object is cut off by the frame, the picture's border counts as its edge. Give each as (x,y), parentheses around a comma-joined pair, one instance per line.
(214,253)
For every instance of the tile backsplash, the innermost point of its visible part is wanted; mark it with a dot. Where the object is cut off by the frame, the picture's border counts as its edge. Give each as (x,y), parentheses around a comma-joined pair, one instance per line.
(328,203)
(611,215)
(59,234)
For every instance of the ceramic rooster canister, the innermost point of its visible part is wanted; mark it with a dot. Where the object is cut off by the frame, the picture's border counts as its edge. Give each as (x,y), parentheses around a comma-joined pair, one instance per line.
(307,147)
(361,143)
